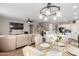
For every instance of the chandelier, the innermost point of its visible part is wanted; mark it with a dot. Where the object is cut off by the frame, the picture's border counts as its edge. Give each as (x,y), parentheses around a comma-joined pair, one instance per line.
(49,10)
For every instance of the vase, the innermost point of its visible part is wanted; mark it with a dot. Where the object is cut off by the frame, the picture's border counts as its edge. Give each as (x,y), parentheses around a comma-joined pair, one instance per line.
(57,51)
(57,46)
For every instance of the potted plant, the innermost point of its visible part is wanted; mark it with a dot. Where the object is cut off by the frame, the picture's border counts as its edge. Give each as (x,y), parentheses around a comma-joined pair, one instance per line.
(58,40)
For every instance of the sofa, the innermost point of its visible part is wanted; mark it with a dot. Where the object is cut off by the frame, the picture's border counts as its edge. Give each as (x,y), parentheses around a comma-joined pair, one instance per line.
(11,42)
(7,42)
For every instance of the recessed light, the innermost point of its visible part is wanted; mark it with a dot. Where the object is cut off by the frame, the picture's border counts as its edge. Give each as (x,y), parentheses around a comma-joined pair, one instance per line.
(75,13)
(40,16)
(45,19)
(75,17)
(55,18)
(74,7)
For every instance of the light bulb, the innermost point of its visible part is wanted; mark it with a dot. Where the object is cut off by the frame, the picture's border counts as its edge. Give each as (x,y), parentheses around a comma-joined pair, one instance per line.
(59,14)
(75,13)
(40,16)
(74,7)
(45,19)
(47,12)
(54,18)
(75,17)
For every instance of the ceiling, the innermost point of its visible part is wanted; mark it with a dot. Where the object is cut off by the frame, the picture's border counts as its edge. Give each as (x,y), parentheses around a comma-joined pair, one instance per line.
(22,11)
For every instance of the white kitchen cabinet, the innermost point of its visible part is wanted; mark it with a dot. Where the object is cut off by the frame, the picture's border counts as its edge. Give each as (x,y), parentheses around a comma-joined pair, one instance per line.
(24,39)
(21,40)
(31,39)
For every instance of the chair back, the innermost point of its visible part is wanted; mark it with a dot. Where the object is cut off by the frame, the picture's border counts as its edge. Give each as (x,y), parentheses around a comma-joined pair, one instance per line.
(31,51)
(38,39)
(50,37)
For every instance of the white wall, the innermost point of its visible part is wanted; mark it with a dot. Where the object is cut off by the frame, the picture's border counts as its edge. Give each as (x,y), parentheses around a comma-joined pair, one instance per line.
(66,26)
(4,25)
(74,28)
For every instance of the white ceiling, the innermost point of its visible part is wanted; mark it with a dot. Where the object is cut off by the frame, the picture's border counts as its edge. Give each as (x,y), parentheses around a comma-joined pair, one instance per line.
(32,10)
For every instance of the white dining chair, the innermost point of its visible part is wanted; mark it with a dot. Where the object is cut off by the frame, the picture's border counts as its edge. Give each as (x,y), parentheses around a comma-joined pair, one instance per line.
(38,39)
(31,51)
(50,37)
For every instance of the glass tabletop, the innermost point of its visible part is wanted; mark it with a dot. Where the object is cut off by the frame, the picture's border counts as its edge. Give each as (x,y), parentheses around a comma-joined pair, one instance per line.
(51,51)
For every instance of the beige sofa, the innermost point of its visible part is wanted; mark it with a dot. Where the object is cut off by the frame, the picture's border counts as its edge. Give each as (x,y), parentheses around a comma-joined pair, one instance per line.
(11,42)
(7,42)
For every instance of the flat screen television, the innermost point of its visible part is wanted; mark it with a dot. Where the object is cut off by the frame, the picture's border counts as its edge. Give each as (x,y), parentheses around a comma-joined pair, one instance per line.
(16,26)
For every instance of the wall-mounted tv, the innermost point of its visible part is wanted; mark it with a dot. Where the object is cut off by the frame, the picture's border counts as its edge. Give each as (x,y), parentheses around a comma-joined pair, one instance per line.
(16,26)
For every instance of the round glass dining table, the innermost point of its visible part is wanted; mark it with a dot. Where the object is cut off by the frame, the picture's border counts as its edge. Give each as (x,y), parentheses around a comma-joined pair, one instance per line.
(49,49)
